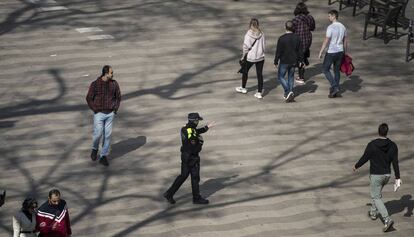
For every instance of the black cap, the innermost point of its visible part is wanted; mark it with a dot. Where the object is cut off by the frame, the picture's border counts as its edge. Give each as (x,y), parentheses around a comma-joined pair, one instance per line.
(194,116)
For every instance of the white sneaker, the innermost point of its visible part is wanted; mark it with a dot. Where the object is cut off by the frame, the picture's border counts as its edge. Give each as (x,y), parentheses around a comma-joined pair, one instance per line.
(258,95)
(290,97)
(241,90)
(299,81)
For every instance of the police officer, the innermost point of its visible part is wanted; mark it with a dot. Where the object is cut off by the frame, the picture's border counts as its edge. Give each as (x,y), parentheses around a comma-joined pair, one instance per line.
(192,143)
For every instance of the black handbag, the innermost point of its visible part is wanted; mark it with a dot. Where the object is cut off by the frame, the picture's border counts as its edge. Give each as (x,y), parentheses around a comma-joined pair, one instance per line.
(243,61)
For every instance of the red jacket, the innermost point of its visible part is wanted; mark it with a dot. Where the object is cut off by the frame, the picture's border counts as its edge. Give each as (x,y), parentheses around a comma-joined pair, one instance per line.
(53,220)
(346,66)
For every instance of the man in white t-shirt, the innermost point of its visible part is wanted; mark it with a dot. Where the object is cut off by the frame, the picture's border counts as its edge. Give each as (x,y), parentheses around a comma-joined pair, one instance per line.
(336,37)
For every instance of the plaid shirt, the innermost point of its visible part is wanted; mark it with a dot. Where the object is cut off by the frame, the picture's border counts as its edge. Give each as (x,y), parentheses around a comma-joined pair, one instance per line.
(104,96)
(304,24)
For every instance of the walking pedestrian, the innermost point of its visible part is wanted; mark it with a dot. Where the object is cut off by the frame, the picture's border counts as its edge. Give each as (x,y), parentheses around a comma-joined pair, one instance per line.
(337,43)
(253,54)
(24,221)
(53,217)
(192,143)
(103,98)
(381,153)
(304,24)
(288,55)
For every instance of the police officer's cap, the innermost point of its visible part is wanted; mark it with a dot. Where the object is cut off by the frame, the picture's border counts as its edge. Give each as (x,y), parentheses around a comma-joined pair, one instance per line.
(194,116)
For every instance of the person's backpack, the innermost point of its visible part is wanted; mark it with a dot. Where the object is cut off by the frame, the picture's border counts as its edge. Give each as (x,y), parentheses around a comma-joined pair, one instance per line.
(346,66)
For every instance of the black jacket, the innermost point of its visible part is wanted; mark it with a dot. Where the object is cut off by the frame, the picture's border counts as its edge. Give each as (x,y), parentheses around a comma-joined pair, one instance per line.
(192,141)
(381,153)
(288,50)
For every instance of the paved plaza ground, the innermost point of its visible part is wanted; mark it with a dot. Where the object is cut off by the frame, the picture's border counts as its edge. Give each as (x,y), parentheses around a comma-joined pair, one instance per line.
(268,168)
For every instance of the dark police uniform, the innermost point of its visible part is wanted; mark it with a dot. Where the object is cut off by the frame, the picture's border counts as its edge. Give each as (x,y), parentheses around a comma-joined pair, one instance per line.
(192,143)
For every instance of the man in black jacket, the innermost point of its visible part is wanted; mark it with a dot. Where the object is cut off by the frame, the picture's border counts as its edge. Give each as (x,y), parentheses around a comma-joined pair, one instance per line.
(381,152)
(192,143)
(288,55)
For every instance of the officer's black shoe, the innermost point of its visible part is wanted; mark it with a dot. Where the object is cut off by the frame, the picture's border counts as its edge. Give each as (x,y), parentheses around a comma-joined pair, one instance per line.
(200,200)
(104,161)
(94,154)
(169,198)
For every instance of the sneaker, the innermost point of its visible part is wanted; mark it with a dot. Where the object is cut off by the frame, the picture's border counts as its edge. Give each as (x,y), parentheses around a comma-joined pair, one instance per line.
(300,81)
(241,90)
(200,200)
(169,198)
(103,161)
(258,95)
(387,224)
(290,97)
(372,215)
(94,154)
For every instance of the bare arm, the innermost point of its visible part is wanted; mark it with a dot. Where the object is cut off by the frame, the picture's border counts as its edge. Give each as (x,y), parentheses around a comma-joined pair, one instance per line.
(345,44)
(324,44)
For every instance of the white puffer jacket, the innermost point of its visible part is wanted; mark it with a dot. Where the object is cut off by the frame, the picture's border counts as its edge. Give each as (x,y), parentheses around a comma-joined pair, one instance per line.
(257,53)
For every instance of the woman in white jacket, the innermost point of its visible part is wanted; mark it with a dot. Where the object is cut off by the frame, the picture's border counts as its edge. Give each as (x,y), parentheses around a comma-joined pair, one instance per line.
(24,222)
(254,47)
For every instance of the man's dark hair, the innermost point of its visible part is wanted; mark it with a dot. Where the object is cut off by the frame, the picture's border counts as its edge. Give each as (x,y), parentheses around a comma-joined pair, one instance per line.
(301,8)
(334,13)
(383,130)
(105,70)
(289,26)
(54,192)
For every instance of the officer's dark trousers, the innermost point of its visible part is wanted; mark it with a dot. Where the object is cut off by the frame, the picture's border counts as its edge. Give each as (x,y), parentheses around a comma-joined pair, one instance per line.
(189,165)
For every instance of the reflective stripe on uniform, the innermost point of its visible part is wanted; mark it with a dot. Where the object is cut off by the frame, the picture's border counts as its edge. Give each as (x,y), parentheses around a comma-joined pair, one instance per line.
(190,132)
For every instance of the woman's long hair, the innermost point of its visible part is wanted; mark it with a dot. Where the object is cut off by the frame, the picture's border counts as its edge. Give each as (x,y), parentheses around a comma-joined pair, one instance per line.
(254,25)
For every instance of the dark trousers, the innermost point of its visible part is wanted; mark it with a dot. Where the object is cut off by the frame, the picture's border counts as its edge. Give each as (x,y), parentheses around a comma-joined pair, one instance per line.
(334,59)
(190,165)
(301,70)
(259,70)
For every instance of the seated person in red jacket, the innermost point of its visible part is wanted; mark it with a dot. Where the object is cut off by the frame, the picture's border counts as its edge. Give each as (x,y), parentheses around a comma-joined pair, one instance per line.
(53,217)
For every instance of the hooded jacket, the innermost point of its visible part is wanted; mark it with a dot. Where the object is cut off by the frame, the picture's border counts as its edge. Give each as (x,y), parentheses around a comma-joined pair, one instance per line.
(381,153)
(257,52)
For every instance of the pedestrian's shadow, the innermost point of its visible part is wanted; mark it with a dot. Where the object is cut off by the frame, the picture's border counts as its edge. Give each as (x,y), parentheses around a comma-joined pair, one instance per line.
(352,84)
(211,186)
(313,71)
(308,87)
(123,147)
(397,206)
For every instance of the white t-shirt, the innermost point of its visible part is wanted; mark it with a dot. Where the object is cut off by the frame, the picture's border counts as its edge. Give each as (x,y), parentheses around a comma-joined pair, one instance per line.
(336,32)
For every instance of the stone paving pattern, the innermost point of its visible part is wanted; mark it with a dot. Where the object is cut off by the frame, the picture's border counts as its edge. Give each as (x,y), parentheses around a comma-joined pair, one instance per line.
(269,168)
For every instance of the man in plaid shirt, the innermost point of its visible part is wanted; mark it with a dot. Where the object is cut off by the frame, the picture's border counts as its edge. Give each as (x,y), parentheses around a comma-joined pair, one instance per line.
(104,98)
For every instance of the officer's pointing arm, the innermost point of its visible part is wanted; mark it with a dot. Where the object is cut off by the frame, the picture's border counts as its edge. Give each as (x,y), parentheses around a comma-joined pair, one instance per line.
(205,128)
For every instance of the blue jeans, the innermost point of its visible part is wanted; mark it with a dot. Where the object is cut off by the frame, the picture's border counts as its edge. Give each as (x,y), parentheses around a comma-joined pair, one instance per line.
(287,84)
(334,59)
(102,127)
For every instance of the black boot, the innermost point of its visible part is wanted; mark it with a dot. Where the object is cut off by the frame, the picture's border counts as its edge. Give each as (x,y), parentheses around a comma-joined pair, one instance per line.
(200,200)
(104,161)
(94,154)
(169,198)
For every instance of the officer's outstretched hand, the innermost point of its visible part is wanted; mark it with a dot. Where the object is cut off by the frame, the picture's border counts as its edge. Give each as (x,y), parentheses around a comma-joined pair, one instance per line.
(211,124)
